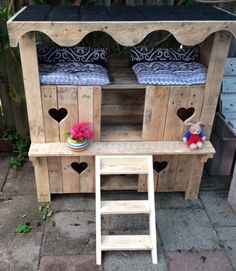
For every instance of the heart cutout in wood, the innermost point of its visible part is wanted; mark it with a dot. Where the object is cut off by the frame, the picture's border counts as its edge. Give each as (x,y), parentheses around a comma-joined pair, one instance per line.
(159,166)
(185,113)
(79,167)
(58,114)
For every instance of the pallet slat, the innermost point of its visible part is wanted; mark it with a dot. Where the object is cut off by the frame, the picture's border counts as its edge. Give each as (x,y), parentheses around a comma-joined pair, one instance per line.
(125,207)
(126,242)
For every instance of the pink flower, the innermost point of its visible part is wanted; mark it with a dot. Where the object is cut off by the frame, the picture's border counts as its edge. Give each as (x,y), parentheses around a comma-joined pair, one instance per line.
(81,131)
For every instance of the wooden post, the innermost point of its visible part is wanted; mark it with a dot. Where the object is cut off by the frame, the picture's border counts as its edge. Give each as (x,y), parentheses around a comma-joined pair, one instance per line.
(30,71)
(217,58)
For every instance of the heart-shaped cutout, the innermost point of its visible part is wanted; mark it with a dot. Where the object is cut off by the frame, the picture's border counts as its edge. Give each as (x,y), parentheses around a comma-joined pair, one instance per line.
(185,113)
(58,114)
(159,166)
(79,167)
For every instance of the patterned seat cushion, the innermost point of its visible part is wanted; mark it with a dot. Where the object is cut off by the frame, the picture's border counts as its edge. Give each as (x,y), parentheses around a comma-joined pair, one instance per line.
(73,73)
(170,73)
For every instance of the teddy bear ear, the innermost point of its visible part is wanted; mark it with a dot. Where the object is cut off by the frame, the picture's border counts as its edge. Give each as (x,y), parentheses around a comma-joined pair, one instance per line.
(200,123)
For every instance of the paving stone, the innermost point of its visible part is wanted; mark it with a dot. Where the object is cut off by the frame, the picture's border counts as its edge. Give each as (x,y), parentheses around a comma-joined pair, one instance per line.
(4,168)
(218,209)
(20,252)
(11,212)
(227,236)
(215,183)
(69,233)
(185,229)
(132,260)
(175,200)
(21,182)
(196,261)
(69,263)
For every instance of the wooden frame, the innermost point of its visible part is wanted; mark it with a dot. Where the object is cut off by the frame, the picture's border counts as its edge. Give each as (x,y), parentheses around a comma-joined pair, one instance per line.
(161,131)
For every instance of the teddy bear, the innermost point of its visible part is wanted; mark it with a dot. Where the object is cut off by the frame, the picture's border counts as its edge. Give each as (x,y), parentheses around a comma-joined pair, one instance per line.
(195,136)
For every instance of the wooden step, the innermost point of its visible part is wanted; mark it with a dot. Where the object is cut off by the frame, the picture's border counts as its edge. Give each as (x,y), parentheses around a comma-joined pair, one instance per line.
(123,165)
(121,148)
(119,207)
(126,242)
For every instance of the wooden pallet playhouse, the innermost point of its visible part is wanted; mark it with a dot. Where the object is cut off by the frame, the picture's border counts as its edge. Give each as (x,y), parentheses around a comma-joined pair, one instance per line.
(127,118)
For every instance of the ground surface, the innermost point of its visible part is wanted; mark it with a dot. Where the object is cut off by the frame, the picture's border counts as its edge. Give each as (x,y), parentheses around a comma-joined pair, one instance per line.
(192,234)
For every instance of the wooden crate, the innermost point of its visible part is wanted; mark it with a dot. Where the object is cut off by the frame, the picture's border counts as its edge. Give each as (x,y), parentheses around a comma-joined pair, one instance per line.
(224,141)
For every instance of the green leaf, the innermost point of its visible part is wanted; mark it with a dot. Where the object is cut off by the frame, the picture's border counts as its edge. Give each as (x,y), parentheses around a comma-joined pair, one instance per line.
(23,228)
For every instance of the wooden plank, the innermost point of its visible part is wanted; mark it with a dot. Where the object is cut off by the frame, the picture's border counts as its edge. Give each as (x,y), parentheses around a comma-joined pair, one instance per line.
(122,110)
(215,72)
(67,98)
(126,242)
(152,216)
(195,176)
(126,33)
(178,98)
(121,132)
(87,177)
(117,207)
(30,71)
(55,174)
(123,165)
(230,66)
(126,96)
(167,176)
(119,182)
(121,148)
(42,179)
(182,173)
(71,178)
(98,211)
(195,100)
(232,191)
(156,101)
(228,103)
(205,50)
(85,104)
(229,84)
(97,101)
(49,101)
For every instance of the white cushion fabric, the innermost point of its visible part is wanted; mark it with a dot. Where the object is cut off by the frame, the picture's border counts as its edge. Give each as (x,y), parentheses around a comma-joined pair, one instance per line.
(170,73)
(73,73)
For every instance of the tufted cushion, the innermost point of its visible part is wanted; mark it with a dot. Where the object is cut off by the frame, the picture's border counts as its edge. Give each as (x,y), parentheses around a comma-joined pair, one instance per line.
(73,73)
(72,54)
(145,54)
(170,73)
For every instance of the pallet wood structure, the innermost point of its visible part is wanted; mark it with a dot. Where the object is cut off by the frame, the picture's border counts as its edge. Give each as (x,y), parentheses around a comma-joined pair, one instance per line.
(127,118)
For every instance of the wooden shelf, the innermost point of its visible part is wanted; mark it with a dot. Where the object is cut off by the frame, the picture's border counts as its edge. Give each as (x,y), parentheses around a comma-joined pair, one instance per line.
(121,75)
(120,148)
(126,242)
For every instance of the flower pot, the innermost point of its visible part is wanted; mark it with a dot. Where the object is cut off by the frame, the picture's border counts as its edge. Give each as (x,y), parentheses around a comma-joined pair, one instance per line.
(77,145)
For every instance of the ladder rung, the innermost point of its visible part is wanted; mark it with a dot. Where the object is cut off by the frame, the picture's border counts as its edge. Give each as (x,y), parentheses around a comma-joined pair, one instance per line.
(125,207)
(126,242)
(124,165)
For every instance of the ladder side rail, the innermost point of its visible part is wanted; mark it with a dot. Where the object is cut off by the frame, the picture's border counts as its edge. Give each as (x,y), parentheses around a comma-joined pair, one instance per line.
(152,217)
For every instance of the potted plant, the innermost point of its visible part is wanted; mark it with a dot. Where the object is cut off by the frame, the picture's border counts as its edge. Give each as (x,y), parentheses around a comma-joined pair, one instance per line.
(79,135)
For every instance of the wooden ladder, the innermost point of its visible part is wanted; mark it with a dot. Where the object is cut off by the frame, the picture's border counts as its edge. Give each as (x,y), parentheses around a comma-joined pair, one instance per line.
(108,165)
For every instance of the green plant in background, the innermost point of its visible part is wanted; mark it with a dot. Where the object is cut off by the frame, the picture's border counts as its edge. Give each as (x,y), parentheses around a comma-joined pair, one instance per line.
(45,211)
(20,147)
